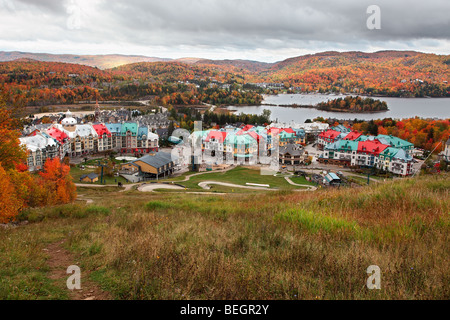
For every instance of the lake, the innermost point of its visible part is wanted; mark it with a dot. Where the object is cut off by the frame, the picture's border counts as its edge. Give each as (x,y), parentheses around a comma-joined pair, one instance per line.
(398,108)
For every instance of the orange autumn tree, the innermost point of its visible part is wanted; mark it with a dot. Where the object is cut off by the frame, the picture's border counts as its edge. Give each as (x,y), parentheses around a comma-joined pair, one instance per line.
(57,182)
(19,188)
(11,152)
(9,203)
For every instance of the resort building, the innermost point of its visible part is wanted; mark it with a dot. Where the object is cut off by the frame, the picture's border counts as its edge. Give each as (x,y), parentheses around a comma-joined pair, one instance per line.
(387,153)
(292,154)
(40,148)
(150,167)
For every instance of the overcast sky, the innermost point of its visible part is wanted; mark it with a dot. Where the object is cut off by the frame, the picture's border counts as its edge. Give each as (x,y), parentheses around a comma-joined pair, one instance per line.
(263,30)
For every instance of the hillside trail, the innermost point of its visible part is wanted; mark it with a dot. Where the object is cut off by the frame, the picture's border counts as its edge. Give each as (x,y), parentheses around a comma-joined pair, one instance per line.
(59,260)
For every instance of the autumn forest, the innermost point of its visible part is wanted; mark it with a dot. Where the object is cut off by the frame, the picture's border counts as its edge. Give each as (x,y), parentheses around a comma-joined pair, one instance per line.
(389,73)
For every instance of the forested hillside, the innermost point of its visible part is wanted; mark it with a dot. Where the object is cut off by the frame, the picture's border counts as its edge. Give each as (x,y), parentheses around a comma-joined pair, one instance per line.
(388,73)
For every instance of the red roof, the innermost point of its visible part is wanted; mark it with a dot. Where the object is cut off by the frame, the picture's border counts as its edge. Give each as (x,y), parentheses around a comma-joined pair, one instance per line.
(218,135)
(353,135)
(101,129)
(330,134)
(373,147)
(247,127)
(288,130)
(254,135)
(273,130)
(57,134)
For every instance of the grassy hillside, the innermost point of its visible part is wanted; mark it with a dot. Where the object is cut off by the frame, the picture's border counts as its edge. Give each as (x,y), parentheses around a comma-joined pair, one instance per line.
(273,245)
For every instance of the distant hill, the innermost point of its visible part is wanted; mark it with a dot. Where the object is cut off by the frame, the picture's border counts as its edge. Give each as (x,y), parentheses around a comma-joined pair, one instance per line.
(383,73)
(389,73)
(99,61)
(252,66)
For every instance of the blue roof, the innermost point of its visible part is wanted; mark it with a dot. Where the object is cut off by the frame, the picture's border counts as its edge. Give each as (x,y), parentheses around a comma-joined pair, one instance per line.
(114,127)
(334,176)
(156,160)
(299,132)
(142,131)
(331,176)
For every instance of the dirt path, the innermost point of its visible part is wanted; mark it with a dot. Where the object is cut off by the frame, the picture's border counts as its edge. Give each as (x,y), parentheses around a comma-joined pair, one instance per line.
(82,198)
(125,187)
(59,260)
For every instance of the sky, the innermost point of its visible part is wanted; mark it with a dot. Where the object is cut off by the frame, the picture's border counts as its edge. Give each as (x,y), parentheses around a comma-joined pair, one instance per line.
(262,30)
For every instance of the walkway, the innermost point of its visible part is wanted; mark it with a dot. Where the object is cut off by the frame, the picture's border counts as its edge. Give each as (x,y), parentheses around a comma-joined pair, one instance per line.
(206,185)
(153,186)
(309,187)
(126,187)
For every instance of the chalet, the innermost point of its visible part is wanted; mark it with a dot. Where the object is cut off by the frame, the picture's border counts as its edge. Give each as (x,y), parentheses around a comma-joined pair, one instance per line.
(91,178)
(292,154)
(152,166)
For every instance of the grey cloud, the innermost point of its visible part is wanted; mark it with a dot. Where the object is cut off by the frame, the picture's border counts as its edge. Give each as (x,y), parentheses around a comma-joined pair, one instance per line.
(249,24)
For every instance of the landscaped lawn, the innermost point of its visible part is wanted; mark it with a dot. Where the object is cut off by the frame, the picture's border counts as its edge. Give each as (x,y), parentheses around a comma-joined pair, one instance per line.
(240,176)
(76,173)
(302,180)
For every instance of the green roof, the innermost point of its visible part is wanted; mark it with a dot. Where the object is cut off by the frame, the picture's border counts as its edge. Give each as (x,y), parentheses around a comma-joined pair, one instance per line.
(286,135)
(132,127)
(243,139)
(348,145)
(396,142)
(389,152)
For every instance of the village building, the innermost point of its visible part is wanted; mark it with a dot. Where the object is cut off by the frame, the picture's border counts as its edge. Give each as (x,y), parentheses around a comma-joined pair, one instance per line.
(387,153)
(332,179)
(150,167)
(91,178)
(40,148)
(104,141)
(292,154)
(327,137)
(445,154)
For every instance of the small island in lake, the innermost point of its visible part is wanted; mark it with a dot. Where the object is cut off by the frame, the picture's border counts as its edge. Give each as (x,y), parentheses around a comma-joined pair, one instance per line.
(353,104)
(348,104)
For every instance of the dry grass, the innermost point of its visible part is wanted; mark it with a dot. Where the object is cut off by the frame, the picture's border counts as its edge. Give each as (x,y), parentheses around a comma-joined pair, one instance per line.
(280,245)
